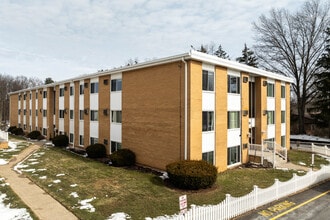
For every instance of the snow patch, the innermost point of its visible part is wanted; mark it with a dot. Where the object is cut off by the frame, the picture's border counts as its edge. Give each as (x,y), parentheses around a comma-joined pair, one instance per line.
(301,163)
(56,181)
(33,163)
(73,185)
(3,161)
(29,170)
(74,194)
(41,169)
(43,177)
(61,174)
(10,213)
(85,204)
(119,216)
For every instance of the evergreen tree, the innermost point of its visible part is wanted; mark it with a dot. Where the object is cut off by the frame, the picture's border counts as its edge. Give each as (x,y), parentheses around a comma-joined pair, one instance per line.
(203,49)
(49,80)
(248,57)
(221,53)
(322,101)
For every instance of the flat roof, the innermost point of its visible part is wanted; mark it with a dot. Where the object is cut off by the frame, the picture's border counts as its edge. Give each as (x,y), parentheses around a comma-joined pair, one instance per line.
(192,55)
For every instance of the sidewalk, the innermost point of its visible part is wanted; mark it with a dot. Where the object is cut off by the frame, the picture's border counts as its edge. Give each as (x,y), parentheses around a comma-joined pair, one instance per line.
(42,204)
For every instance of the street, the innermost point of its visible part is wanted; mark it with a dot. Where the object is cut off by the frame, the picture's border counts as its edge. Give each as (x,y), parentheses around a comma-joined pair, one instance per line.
(310,204)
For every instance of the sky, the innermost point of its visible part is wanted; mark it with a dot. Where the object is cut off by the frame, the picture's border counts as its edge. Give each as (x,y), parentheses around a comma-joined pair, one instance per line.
(64,39)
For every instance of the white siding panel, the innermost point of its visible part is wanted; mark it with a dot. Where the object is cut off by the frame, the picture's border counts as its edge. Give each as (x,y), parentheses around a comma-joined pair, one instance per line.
(208,101)
(115,134)
(270,131)
(208,143)
(61,102)
(115,100)
(283,101)
(283,129)
(234,102)
(94,102)
(270,104)
(234,137)
(81,102)
(71,126)
(61,124)
(44,122)
(44,103)
(81,127)
(94,129)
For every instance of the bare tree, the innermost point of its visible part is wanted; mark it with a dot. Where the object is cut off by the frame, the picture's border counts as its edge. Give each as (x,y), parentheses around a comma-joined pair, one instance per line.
(291,44)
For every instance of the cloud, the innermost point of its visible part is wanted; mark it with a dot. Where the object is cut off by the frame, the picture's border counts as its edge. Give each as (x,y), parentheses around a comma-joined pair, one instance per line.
(61,37)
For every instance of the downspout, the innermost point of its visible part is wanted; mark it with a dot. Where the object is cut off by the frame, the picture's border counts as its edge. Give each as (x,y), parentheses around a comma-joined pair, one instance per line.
(185,110)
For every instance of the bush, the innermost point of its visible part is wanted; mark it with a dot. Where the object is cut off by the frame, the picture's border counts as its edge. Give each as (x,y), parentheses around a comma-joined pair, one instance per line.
(34,135)
(17,131)
(123,157)
(11,129)
(192,174)
(41,137)
(61,141)
(96,151)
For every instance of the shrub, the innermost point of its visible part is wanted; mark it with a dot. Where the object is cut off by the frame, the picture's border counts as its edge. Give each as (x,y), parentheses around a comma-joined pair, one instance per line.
(11,129)
(17,131)
(41,137)
(96,151)
(61,140)
(123,157)
(192,174)
(34,135)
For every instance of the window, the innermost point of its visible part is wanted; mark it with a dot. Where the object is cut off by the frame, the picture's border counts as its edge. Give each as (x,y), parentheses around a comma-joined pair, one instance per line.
(270,117)
(71,114)
(61,114)
(94,87)
(208,121)
(270,90)
(24,126)
(81,89)
(94,115)
(19,97)
(94,140)
(71,90)
(61,92)
(282,116)
(116,85)
(282,92)
(44,113)
(30,95)
(36,95)
(233,84)
(208,80)
(115,146)
(233,155)
(24,112)
(71,138)
(36,112)
(208,156)
(45,94)
(30,112)
(233,119)
(283,141)
(24,97)
(81,114)
(19,111)
(44,131)
(116,116)
(81,140)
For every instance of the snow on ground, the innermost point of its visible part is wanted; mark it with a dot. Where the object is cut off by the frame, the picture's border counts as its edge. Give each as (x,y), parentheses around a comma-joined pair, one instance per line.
(56,181)
(61,174)
(119,216)
(308,137)
(85,204)
(74,194)
(43,177)
(73,185)
(3,162)
(11,213)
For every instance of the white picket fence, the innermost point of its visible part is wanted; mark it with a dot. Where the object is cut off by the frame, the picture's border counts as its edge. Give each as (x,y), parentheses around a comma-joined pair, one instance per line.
(3,136)
(233,206)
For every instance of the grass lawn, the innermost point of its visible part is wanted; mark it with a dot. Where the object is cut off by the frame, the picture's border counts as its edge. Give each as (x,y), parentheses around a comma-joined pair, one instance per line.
(297,157)
(9,153)
(13,199)
(63,175)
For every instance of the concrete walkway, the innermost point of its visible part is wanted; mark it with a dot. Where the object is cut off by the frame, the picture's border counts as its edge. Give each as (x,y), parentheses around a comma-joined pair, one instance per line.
(42,204)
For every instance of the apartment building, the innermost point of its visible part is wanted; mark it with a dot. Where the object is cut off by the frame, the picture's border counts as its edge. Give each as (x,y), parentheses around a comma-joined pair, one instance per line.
(188,106)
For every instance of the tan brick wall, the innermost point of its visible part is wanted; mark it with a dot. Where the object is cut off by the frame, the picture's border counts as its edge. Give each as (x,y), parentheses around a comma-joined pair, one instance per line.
(87,116)
(13,110)
(67,108)
(50,112)
(33,109)
(22,109)
(287,120)
(104,103)
(27,112)
(221,118)
(151,113)
(244,119)
(40,108)
(278,112)
(76,113)
(195,110)
(261,106)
